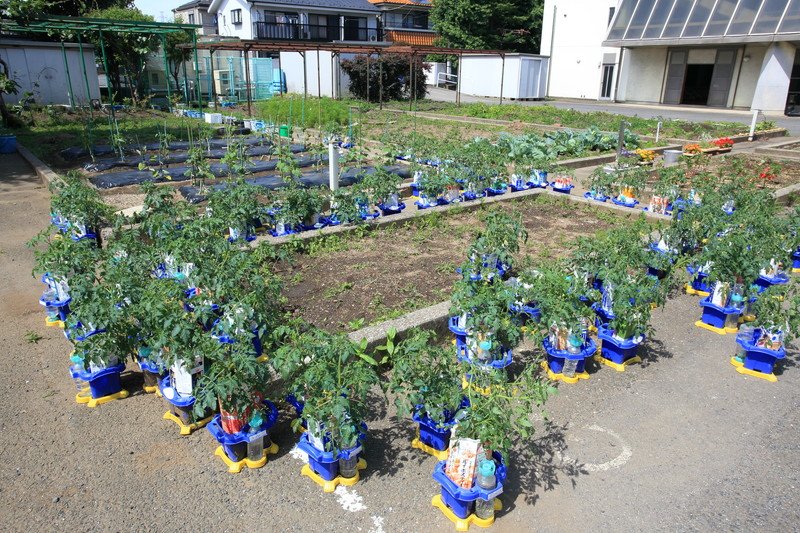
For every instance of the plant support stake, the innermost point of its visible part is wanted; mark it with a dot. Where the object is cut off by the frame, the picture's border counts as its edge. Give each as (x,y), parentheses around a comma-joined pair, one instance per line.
(333,166)
(658,130)
(753,125)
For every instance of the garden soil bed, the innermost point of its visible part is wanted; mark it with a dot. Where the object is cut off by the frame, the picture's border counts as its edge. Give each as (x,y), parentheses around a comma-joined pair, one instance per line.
(398,269)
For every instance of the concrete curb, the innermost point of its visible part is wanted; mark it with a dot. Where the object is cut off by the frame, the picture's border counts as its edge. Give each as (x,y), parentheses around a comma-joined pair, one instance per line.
(433,318)
(411,213)
(44,172)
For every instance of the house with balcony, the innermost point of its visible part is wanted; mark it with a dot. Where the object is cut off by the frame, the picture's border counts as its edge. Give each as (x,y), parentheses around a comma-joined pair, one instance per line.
(298,20)
(406,21)
(196,12)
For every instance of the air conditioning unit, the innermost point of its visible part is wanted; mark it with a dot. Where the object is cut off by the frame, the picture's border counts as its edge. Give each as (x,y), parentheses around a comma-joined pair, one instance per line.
(222,81)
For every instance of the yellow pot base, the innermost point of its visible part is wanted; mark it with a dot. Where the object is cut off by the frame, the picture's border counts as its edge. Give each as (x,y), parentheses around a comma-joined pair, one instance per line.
(560,377)
(187,429)
(690,290)
(719,331)
(85,397)
(619,367)
(330,486)
(53,323)
(462,524)
(747,372)
(234,467)
(439,454)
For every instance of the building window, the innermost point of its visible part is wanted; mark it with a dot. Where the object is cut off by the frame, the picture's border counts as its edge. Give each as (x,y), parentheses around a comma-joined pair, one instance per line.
(191,18)
(154,78)
(236,16)
(413,20)
(611,11)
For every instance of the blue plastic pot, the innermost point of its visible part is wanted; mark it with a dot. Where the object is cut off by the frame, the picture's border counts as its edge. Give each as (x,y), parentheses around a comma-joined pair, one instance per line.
(326,464)
(596,197)
(56,309)
(540,181)
(759,359)
(8,144)
(632,204)
(506,359)
(103,382)
(462,501)
(529,311)
(556,358)
(430,434)
(491,191)
(700,280)
(714,315)
(520,185)
(386,210)
(615,350)
(765,282)
(796,260)
(77,333)
(184,402)
(225,339)
(603,316)
(229,441)
(566,190)
(472,195)
(461,334)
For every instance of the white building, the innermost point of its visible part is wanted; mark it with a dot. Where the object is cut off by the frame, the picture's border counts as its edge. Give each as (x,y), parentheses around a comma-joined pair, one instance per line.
(719,53)
(308,20)
(40,68)
(572,33)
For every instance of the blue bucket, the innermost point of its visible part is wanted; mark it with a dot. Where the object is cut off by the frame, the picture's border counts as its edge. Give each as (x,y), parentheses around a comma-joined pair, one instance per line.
(8,144)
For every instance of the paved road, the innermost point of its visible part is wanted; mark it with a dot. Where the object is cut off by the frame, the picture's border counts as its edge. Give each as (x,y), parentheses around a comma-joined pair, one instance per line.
(681,442)
(646,111)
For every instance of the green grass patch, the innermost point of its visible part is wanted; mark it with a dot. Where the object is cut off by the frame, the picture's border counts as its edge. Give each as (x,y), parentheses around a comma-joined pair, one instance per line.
(551,115)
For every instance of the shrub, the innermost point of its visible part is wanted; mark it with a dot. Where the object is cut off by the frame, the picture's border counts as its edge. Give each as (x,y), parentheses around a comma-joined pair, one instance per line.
(395,73)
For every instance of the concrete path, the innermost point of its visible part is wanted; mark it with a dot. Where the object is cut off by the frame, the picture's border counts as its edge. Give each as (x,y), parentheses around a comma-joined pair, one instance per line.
(681,442)
(698,114)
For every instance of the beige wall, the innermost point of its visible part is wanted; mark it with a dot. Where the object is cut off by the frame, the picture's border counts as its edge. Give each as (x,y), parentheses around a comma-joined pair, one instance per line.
(748,75)
(642,75)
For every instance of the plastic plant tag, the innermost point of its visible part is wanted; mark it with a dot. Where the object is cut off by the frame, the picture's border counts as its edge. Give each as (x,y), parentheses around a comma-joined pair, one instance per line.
(314,430)
(461,461)
(720,294)
(182,379)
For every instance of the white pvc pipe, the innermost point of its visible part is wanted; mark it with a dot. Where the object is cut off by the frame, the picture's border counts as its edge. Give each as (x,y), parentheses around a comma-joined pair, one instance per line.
(658,131)
(753,125)
(333,166)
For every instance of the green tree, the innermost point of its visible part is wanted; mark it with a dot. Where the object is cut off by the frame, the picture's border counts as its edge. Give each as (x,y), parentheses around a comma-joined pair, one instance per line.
(514,25)
(127,52)
(175,55)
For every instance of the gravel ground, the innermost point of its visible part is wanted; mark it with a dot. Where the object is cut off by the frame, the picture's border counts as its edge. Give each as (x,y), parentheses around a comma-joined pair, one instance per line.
(681,442)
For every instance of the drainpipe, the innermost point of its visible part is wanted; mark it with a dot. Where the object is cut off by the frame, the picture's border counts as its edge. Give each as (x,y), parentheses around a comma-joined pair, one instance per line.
(619,71)
(550,61)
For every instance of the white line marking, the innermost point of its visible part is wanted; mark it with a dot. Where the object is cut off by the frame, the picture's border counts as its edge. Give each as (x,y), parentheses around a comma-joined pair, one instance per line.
(617,462)
(377,525)
(349,500)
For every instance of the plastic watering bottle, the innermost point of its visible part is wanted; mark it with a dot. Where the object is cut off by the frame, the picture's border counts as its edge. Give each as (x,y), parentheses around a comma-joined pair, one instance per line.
(256,437)
(487,480)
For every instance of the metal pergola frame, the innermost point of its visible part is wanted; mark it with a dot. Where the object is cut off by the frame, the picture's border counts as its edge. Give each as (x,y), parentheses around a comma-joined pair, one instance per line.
(302,47)
(80,25)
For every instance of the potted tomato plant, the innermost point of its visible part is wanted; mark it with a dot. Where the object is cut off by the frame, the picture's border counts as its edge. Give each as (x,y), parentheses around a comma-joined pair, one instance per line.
(472,477)
(763,342)
(333,378)
(428,386)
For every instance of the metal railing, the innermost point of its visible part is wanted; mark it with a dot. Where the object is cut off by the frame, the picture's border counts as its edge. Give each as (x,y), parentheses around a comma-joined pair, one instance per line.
(315,32)
(446,79)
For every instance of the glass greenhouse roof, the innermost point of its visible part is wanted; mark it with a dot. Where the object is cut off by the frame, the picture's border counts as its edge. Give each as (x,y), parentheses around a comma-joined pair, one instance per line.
(653,22)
